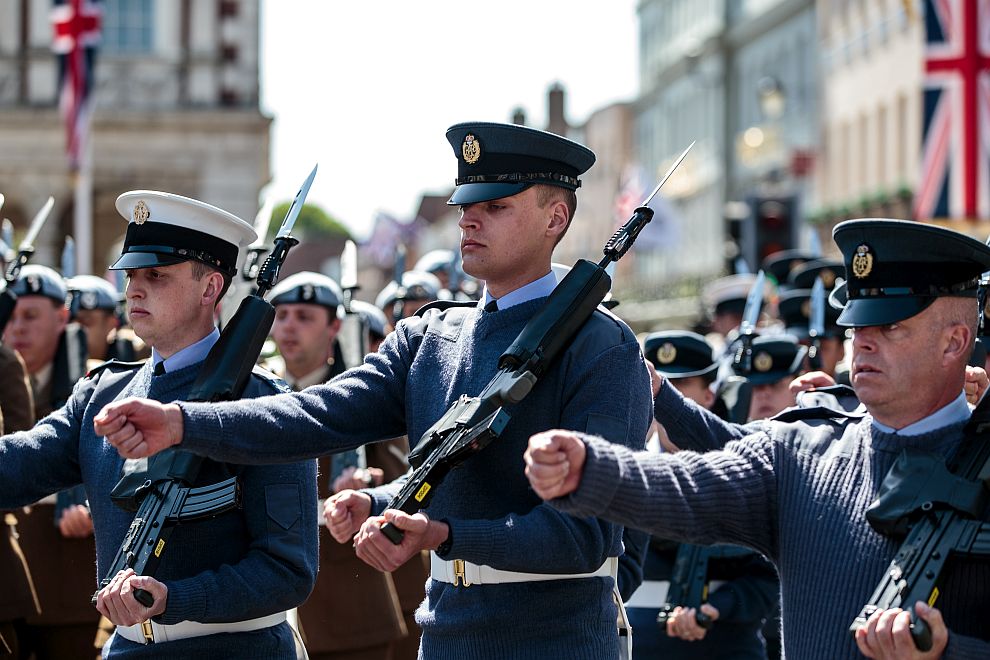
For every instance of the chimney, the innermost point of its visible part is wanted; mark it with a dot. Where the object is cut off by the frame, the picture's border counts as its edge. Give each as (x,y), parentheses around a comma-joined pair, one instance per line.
(556,122)
(519,116)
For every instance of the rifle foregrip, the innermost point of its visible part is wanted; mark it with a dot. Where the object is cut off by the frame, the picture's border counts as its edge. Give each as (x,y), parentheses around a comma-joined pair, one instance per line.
(394,534)
(920,632)
(144,597)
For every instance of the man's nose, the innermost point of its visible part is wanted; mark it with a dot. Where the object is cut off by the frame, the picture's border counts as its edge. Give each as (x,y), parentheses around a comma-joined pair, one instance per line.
(864,338)
(469,217)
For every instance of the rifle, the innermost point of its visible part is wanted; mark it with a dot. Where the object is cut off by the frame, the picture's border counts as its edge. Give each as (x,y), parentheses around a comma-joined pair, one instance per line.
(940,520)
(252,261)
(472,423)
(164,496)
(742,360)
(688,584)
(7,297)
(398,269)
(816,325)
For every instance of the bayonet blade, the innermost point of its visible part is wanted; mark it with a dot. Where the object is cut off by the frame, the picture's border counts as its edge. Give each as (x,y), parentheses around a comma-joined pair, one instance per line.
(667,175)
(754,302)
(1,200)
(69,257)
(816,326)
(348,267)
(297,203)
(37,224)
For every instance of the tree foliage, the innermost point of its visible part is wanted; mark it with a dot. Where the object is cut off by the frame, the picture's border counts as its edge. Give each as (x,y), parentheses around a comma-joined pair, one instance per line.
(313,222)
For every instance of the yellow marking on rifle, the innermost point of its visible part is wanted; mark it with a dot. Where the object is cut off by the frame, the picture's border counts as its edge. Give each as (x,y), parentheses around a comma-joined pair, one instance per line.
(933,597)
(159,547)
(421,493)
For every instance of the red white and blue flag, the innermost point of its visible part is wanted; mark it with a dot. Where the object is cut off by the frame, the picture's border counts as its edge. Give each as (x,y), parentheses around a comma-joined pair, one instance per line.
(76,25)
(955,165)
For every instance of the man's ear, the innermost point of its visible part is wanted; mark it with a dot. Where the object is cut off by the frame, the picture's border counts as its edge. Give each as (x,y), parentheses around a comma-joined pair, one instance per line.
(959,343)
(559,216)
(214,285)
(62,316)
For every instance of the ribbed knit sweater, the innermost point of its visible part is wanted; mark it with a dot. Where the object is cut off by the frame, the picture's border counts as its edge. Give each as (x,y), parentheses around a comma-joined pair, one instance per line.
(241,565)
(797,492)
(599,384)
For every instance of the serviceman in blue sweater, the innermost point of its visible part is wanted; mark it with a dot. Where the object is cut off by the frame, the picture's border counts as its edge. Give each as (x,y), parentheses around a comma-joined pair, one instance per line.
(798,489)
(223,585)
(538,583)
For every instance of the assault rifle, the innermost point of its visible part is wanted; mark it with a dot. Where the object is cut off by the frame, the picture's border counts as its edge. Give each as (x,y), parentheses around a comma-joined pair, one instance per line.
(742,360)
(939,520)
(7,297)
(164,496)
(472,423)
(688,584)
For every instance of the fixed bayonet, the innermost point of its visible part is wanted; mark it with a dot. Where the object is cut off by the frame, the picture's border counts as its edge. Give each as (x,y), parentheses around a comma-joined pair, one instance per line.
(69,257)
(754,303)
(24,252)
(816,325)
(36,225)
(624,237)
(348,270)
(297,204)
(268,275)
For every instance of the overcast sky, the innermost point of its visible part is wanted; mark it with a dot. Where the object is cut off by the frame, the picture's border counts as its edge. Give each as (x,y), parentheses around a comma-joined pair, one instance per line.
(367,89)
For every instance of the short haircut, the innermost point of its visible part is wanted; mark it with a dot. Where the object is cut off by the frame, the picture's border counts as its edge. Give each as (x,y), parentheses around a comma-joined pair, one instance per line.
(200,270)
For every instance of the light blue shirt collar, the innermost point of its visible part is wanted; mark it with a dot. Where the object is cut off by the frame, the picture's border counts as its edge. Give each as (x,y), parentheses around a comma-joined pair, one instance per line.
(540,288)
(191,354)
(952,413)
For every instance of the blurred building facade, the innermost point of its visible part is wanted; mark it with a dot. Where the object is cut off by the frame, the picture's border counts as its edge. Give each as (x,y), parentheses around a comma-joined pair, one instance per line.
(176,108)
(873,73)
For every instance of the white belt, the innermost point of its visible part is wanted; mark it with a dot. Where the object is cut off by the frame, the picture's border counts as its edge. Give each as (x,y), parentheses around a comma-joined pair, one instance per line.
(467,573)
(150,632)
(652,594)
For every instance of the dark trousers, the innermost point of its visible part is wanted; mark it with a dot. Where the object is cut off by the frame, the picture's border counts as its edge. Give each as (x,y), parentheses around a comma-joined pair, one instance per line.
(57,642)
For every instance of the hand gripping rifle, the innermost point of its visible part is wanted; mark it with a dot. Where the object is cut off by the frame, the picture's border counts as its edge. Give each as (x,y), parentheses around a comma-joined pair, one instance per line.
(816,324)
(164,496)
(688,584)
(938,505)
(7,297)
(472,423)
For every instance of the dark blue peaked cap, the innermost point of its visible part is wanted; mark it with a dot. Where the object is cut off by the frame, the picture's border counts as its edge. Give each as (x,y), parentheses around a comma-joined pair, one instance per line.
(895,269)
(501,160)
(680,354)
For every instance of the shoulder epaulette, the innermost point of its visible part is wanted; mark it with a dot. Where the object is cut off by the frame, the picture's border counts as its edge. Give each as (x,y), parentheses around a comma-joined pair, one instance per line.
(835,402)
(115,365)
(277,383)
(445,304)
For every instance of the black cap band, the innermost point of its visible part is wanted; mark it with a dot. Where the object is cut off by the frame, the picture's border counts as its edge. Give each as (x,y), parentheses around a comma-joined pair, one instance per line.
(160,238)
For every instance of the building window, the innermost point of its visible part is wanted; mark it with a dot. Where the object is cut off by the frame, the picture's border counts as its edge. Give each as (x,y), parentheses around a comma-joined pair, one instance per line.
(228,8)
(128,26)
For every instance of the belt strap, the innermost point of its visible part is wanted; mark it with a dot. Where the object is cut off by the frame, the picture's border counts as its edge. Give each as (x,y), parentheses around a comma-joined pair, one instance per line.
(150,632)
(466,574)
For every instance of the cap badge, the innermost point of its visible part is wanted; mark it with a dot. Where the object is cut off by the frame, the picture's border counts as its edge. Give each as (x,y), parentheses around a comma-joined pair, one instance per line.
(667,353)
(87,300)
(141,212)
(307,292)
(806,308)
(33,283)
(862,261)
(471,149)
(828,278)
(762,361)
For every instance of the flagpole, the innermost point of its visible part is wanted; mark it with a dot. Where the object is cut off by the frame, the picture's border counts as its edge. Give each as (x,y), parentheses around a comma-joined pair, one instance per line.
(82,225)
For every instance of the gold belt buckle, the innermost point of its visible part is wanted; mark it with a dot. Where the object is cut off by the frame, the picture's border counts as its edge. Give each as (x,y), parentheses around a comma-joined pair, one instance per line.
(148,632)
(459,573)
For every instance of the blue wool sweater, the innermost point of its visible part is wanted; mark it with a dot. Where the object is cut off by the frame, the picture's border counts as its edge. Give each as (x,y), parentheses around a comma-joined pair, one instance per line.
(599,385)
(241,565)
(798,493)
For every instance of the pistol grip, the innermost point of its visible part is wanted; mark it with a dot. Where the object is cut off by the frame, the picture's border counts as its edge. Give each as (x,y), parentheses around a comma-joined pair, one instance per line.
(394,534)
(920,632)
(144,597)
(703,619)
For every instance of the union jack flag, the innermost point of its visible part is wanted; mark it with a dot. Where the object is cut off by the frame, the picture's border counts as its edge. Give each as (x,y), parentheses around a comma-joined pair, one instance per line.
(955,165)
(76,26)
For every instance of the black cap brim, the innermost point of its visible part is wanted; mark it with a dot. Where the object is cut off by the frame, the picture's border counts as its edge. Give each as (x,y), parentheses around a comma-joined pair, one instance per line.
(472,193)
(130,260)
(863,312)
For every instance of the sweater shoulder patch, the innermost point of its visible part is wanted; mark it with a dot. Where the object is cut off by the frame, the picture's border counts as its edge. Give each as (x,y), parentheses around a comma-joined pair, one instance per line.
(278,385)
(114,366)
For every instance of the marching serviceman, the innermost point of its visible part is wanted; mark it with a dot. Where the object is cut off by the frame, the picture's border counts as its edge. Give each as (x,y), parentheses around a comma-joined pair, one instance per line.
(223,585)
